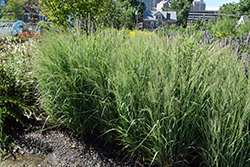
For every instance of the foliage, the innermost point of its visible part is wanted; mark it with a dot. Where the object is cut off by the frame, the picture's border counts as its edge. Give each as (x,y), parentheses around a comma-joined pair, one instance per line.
(13,10)
(98,11)
(229,8)
(175,100)
(15,6)
(182,7)
(125,13)
(239,8)
(225,25)
(244,7)
(17,87)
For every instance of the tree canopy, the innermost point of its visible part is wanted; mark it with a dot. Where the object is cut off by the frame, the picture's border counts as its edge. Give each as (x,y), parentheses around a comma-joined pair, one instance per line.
(182,7)
(125,15)
(229,8)
(13,10)
(102,12)
(242,7)
(59,11)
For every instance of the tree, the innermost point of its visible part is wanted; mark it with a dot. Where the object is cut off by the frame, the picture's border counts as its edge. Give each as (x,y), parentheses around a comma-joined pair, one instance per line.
(59,11)
(229,8)
(102,12)
(244,6)
(182,7)
(125,13)
(13,10)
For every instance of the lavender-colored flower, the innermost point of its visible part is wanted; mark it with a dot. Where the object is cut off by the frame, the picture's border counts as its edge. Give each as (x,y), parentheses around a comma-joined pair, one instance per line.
(207,34)
(237,42)
(172,34)
(244,44)
(230,40)
(213,39)
(187,31)
(168,35)
(242,38)
(226,41)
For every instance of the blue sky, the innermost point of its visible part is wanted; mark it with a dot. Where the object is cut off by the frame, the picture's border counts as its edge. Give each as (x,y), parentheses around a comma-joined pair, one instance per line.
(214,4)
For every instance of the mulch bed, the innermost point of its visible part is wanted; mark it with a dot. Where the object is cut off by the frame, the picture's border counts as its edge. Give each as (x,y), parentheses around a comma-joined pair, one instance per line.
(56,147)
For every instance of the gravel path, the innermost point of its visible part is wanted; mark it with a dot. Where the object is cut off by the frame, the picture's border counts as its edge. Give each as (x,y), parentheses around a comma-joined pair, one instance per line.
(57,148)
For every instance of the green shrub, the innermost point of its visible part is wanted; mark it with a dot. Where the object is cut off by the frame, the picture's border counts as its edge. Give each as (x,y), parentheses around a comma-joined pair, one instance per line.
(17,87)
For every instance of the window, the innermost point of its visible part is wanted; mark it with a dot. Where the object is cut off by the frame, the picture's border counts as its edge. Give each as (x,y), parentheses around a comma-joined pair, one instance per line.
(157,24)
(163,24)
(28,17)
(158,16)
(152,24)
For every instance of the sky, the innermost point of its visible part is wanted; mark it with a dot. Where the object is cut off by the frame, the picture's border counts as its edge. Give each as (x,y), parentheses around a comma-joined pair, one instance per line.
(214,4)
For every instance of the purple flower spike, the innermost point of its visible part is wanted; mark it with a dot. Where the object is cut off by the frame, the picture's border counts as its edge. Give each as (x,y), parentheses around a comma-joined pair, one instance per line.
(187,31)
(242,38)
(226,41)
(168,35)
(213,39)
(230,40)
(208,35)
(237,42)
(244,44)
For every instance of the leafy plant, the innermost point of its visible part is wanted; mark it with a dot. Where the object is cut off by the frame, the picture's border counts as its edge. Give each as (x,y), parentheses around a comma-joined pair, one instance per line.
(17,87)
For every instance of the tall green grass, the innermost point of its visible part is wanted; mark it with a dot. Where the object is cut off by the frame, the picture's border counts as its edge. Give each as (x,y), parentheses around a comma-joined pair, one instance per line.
(169,102)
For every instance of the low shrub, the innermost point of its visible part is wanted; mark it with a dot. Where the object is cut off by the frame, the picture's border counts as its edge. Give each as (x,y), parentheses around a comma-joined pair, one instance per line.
(18,93)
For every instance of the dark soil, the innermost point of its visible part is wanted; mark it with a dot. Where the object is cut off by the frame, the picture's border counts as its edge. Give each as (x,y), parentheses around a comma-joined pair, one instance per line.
(55,147)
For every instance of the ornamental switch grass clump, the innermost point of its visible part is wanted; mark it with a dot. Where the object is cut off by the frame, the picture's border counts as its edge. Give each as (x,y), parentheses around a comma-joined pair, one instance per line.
(168,102)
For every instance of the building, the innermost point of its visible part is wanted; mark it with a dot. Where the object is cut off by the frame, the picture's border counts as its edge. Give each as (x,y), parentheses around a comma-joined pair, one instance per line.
(198,6)
(150,4)
(155,19)
(30,14)
(202,15)
(162,4)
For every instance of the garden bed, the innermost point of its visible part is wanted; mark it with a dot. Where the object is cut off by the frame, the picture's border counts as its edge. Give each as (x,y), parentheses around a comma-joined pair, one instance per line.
(56,147)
